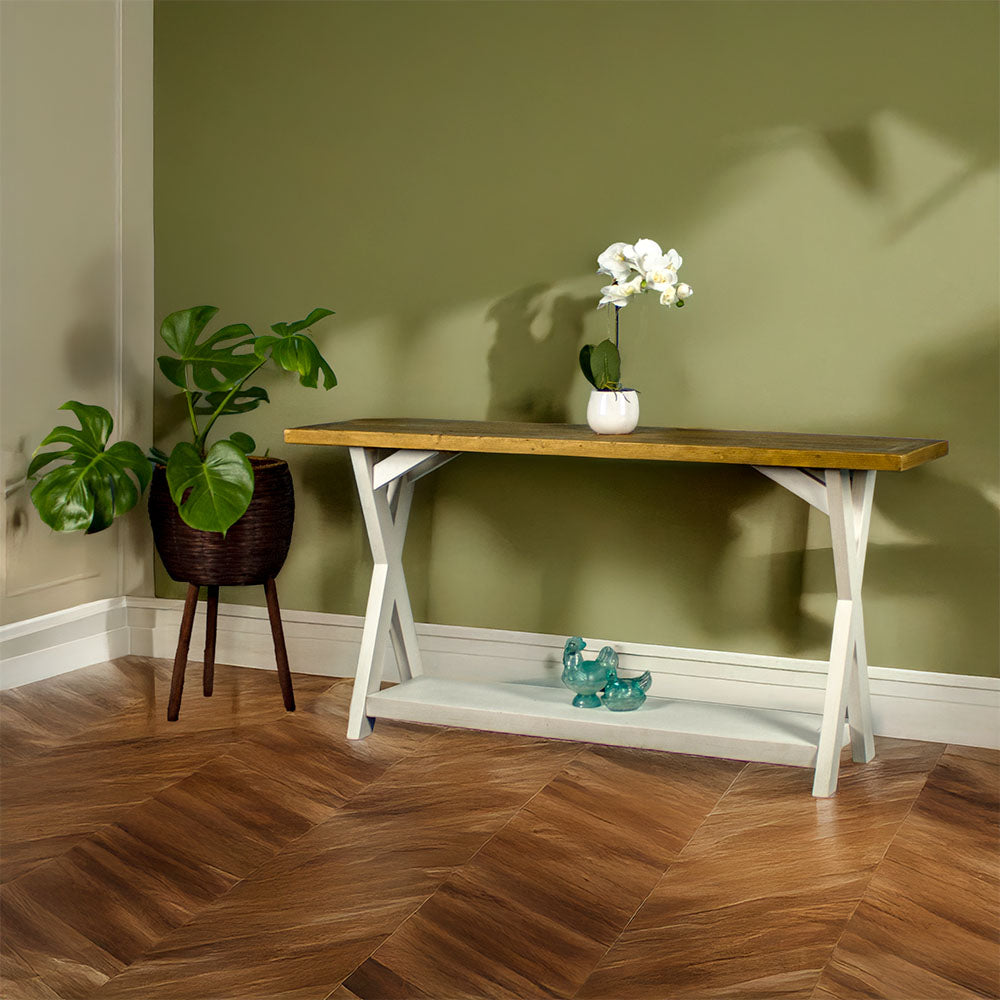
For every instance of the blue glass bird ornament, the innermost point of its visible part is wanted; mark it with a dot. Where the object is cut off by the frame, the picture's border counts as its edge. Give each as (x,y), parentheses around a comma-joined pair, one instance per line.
(586,677)
(625,694)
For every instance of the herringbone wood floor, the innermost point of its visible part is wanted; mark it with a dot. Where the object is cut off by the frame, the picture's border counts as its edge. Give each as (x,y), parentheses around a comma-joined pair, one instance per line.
(246,853)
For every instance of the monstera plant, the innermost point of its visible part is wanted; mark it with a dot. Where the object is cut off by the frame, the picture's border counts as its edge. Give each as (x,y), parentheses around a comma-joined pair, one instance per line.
(211,485)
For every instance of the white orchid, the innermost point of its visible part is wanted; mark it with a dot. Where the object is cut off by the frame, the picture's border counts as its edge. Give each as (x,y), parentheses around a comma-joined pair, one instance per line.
(636,268)
(659,274)
(618,294)
(616,261)
(646,253)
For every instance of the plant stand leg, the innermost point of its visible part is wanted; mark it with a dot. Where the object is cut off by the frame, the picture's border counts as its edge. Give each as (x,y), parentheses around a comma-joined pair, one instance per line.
(280,654)
(208,674)
(181,656)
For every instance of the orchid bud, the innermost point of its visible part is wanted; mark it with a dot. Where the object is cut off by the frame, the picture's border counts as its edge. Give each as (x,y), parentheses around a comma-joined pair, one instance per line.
(684,291)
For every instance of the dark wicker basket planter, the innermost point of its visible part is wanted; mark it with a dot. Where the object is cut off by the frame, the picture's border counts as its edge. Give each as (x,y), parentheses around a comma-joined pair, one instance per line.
(252,552)
(254,548)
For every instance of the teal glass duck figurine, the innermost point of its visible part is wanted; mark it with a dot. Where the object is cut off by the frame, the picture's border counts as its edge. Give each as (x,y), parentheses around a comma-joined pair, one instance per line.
(586,677)
(625,694)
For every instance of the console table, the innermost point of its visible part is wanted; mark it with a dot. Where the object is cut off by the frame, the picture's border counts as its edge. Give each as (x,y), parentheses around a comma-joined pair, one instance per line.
(834,474)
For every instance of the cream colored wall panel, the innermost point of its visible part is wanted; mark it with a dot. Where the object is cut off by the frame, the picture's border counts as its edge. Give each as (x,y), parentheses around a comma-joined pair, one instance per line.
(62,269)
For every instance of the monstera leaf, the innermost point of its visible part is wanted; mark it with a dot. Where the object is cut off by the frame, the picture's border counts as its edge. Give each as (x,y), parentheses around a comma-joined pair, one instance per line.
(211,493)
(244,442)
(242,401)
(295,351)
(94,487)
(213,363)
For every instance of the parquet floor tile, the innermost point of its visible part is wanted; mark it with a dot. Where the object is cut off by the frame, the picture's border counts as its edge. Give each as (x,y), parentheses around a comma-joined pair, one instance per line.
(72,702)
(377,859)
(57,798)
(756,901)
(243,698)
(927,927)
(245,853)
(543,900)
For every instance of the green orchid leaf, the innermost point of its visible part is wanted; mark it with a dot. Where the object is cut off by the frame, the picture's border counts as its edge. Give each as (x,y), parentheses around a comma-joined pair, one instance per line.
(296,352)
(95,486)
(606,365)
(217,362)
(244,442)
(585,353)
(244,400)
(213,493)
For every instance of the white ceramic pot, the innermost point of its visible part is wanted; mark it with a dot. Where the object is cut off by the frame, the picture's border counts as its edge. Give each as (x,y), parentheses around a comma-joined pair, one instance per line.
(613,412)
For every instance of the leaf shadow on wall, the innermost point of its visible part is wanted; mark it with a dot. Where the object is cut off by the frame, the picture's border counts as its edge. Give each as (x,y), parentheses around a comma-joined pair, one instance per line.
(945,507)
(531,377)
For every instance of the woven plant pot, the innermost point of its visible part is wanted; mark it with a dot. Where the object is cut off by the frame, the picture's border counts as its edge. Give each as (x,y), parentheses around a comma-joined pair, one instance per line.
(254,548)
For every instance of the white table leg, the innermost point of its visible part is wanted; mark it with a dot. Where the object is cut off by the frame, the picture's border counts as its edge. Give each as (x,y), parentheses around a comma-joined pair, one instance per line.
(849,498)
(846,498)
(388,615)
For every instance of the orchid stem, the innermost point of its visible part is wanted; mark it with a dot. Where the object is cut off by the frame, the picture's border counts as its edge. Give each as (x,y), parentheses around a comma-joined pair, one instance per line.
(617,308)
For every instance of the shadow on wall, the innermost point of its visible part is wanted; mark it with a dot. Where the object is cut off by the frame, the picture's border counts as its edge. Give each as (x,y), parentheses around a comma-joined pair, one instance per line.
(531,376)
(950,511)
(90,355)
(586,512)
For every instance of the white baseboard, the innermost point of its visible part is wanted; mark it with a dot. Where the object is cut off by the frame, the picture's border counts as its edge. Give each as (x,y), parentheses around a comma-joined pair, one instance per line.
(907,704)
(56,643)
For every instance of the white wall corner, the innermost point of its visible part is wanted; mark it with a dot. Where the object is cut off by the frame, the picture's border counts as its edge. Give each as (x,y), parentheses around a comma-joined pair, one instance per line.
(62,641)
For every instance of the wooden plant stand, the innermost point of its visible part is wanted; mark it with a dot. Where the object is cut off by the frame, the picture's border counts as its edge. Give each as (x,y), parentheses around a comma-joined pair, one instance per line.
(208,677)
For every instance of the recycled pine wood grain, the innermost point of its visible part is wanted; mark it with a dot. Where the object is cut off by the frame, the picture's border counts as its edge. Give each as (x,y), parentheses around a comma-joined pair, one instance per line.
(244,852)
(664,444)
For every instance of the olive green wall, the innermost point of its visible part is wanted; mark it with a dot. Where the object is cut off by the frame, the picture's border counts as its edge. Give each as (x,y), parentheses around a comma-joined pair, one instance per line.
(443,175)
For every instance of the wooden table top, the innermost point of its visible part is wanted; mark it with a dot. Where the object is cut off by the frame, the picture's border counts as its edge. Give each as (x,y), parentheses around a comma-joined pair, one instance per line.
(659,444)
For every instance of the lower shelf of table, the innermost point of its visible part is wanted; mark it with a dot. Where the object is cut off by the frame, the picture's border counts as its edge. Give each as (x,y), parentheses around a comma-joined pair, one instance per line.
(690,727)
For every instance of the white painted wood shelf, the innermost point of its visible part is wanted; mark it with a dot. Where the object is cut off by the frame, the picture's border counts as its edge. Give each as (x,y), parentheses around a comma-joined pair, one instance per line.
(690,727)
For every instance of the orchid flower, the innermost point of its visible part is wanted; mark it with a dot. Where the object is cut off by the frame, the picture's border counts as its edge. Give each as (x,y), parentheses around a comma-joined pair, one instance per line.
(659,274)
(615,261)
(646,252)
(619,294)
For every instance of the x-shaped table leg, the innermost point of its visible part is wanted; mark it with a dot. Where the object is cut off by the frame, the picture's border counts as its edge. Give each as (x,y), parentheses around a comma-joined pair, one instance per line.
(388,614)
(385,487)
(849,497)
